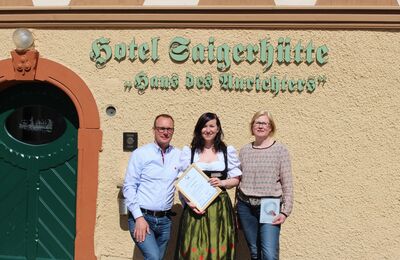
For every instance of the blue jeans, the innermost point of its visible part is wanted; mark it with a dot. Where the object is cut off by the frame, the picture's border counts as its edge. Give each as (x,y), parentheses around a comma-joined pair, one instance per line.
(262,239)
(155,243)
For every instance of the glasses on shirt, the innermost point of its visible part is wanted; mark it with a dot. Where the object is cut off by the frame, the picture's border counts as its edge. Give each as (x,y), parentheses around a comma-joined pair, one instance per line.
(261,124)
(164,129)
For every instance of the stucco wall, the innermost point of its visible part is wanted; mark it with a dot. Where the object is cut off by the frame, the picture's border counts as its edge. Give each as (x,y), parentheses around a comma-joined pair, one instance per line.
(343,137)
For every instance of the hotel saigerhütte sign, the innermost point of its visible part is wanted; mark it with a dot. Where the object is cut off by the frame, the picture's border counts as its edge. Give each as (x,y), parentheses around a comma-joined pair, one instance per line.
(264,53)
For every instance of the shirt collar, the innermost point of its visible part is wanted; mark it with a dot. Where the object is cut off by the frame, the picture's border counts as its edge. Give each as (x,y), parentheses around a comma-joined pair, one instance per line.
(169,148)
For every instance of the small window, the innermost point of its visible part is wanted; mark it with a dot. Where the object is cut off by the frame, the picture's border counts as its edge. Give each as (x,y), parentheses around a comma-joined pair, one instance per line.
(35,124)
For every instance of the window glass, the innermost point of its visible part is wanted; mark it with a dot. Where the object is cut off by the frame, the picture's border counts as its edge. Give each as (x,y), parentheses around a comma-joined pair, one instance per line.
(35,124)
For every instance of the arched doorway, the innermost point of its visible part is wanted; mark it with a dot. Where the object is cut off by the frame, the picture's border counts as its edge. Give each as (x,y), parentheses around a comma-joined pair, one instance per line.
(38,162)
(59,81)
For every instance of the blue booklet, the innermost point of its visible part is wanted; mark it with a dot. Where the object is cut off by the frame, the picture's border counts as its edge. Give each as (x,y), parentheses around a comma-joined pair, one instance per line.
(269,209)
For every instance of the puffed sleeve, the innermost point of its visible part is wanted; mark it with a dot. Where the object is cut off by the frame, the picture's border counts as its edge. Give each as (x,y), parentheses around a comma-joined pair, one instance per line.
(184,159)
(233,163)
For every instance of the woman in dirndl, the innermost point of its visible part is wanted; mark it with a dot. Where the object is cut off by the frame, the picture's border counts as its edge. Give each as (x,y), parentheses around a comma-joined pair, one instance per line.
(209,234)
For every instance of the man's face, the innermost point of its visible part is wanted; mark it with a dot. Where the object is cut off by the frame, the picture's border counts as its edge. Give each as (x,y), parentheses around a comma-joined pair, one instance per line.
(163,131)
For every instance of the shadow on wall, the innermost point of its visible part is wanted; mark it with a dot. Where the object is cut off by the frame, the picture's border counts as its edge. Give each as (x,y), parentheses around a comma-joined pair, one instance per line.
(241,253)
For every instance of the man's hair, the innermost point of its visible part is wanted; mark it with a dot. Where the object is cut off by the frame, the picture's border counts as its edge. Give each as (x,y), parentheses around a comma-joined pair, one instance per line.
(162,115)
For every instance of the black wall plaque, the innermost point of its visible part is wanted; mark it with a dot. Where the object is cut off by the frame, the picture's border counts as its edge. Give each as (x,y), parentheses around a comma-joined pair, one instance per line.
(130,141)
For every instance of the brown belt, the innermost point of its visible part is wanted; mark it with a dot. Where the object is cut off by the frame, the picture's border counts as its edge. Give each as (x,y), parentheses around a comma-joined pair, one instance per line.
(252,200)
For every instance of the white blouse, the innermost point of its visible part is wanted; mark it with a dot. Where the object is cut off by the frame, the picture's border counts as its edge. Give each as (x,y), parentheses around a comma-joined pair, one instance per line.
(218,165)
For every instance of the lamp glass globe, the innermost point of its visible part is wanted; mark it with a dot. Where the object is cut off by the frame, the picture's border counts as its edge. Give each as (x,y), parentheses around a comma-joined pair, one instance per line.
(23,39)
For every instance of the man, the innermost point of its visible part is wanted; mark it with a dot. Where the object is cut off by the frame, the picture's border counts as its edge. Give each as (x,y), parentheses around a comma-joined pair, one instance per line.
(149,190)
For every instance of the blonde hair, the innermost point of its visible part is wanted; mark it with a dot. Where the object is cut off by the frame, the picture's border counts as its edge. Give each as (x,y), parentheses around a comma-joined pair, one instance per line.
(270,118)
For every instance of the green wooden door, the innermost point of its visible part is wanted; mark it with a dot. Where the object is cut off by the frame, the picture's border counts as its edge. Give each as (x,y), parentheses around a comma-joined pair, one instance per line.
(38,173)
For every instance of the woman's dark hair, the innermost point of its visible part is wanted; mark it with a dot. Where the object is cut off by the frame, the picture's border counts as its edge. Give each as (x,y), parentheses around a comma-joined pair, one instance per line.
(198,141)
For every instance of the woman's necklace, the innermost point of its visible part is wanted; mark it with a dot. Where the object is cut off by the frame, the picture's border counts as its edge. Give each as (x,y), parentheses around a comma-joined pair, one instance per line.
(263,144)
(209,147)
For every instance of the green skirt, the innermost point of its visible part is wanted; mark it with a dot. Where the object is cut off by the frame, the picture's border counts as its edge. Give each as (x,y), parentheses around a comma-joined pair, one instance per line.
(209,236)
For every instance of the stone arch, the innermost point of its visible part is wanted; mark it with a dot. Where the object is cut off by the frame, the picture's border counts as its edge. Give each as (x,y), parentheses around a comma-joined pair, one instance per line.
(89,138)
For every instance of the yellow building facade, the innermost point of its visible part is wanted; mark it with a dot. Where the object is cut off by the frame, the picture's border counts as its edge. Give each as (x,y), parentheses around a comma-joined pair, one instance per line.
(329,74)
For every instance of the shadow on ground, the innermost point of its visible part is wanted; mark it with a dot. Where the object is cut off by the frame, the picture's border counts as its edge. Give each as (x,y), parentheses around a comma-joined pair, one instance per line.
(241,253)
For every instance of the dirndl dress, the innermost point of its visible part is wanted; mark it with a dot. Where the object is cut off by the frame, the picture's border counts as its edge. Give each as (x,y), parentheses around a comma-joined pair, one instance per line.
(211,235)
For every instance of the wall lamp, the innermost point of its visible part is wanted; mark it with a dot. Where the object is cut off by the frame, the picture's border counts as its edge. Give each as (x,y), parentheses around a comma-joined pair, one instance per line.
(23,39)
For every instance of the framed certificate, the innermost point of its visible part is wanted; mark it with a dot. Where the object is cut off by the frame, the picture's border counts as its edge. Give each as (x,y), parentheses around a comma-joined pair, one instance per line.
(194,185)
